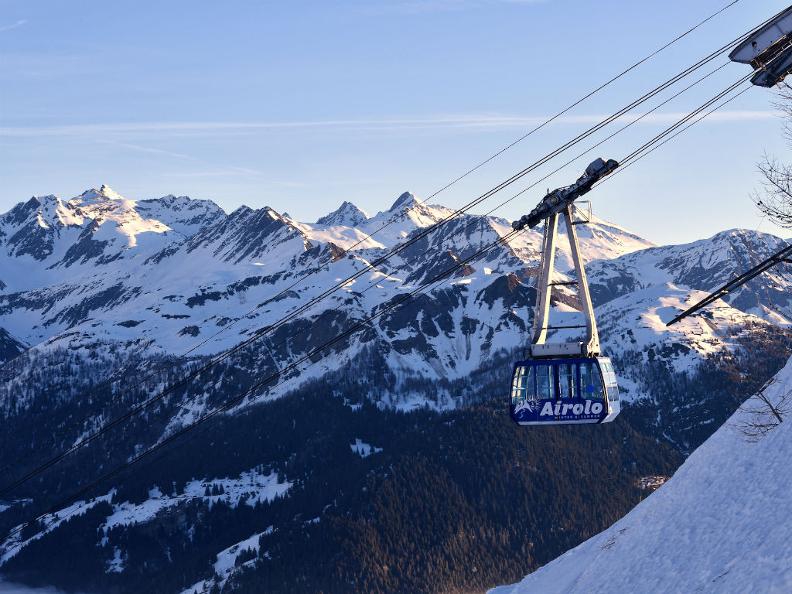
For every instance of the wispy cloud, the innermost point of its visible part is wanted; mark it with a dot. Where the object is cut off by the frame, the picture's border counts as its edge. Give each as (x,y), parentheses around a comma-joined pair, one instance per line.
(227,169)
(207,169)
(19,23)
(150,150)
(493,121)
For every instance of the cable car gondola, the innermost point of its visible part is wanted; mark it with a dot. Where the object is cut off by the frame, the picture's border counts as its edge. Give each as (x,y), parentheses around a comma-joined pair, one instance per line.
(569,382)
(564,390)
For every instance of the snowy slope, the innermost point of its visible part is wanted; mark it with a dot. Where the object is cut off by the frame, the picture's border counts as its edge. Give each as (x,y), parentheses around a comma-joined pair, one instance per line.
(703,265)
(637,322)
(250,488)
(721,524)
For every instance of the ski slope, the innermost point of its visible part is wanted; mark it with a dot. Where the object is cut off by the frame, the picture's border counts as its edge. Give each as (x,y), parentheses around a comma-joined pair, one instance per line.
(723,523)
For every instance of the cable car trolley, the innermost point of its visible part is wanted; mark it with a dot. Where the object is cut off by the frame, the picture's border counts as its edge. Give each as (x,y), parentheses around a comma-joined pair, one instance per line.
(768,50)
(567,382)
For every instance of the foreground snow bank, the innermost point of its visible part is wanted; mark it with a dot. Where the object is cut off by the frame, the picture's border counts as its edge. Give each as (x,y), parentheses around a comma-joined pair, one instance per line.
(723,523)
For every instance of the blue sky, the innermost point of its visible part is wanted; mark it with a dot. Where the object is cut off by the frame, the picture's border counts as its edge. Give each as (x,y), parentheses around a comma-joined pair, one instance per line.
(302,105)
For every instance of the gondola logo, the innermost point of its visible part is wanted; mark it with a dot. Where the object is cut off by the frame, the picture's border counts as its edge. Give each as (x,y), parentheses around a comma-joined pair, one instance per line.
(559,409)
(526,405)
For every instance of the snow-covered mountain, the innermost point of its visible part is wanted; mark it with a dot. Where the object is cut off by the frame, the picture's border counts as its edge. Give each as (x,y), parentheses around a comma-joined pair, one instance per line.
(173,272)
(704,265)
(105,301)
(172,275)
(720,524)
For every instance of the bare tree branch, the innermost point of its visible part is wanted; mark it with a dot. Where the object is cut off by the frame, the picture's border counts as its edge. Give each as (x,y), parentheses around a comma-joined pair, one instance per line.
(775,199)
(760,415)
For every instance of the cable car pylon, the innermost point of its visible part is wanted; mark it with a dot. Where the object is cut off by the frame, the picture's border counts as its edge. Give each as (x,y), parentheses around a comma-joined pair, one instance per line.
(568,382)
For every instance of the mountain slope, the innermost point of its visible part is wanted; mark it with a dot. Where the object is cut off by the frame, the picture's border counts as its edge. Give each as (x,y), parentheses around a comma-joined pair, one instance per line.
(703,265)
(434,503)
(721,524)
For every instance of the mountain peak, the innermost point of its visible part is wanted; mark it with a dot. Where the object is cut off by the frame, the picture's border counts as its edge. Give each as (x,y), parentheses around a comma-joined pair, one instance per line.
(104,192)
(406,200)
(33,203)
(273,214)
(739,233)
(347,215)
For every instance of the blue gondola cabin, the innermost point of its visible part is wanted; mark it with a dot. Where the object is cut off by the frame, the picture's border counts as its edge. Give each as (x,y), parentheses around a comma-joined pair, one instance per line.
(559,391)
